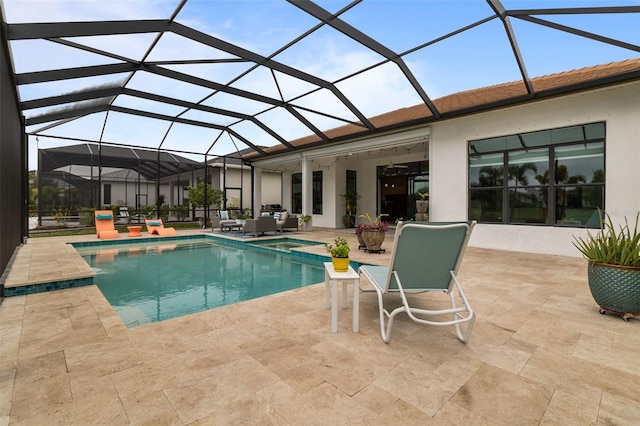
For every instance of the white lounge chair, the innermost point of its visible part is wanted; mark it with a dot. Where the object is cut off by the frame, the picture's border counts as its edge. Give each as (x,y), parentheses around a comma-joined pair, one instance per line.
(425,258)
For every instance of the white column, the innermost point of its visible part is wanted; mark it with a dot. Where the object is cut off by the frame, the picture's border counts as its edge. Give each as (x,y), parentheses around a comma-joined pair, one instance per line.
(171,201)
(307,186)
(285,183)
(257,191)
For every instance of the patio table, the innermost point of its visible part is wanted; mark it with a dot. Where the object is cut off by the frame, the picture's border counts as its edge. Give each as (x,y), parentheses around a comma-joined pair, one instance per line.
(230,227)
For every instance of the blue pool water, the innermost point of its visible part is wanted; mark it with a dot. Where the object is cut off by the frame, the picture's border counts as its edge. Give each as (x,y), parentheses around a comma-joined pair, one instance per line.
(164,279)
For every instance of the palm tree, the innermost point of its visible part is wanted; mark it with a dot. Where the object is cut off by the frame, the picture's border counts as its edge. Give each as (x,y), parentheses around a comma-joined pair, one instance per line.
(518,173)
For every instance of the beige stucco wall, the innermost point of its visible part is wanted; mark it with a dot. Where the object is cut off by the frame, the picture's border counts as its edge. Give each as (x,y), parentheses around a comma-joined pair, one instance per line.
(124,193)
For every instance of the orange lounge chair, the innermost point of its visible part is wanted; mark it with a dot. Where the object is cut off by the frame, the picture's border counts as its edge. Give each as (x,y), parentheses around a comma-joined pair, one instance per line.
(105,228)
(155,226)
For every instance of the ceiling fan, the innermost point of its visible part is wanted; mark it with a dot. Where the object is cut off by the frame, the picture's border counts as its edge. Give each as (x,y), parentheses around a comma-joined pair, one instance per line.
(395,166)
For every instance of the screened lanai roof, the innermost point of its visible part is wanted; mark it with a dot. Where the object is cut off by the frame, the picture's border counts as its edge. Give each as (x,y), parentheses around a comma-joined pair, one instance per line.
(215,77)
(151,165)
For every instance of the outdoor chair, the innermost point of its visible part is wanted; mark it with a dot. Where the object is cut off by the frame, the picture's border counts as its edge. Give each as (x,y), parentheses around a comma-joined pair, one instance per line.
(105,229)
(156,226)
(425,258)
(259,225)
(221,220)
(123,215)
(290,222)
(284,221)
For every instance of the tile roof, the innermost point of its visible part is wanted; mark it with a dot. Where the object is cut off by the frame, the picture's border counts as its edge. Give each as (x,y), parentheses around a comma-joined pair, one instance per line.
(490,96)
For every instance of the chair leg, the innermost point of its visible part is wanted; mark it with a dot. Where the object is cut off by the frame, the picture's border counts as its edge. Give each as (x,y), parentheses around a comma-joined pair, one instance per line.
(464,336)
(385,332)
(457,312)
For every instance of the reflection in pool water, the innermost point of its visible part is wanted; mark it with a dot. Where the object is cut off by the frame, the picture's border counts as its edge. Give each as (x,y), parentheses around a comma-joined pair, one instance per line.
(155,282)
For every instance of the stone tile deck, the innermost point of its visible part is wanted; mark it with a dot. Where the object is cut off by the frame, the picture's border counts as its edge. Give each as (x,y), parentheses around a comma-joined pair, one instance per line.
(540,354)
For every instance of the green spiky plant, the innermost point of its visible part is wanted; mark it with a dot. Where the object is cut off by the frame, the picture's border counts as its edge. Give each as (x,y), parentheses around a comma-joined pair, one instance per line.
(610,246)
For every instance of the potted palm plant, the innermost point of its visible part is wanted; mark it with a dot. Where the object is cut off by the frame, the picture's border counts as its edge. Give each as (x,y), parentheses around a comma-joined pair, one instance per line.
(351,197)
(373,232)
(339,254)
(614,266)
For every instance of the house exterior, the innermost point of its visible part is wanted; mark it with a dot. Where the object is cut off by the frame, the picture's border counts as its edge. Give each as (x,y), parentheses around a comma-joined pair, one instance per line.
(592,133)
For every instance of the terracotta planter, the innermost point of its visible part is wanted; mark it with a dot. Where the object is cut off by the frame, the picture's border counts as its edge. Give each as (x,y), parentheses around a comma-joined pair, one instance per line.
(340,264)
(615,288)
(373,239)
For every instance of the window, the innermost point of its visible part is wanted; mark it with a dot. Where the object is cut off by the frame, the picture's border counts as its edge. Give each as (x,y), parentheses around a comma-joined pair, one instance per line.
(351,181)
(317,192)
(553,177)
(106,192)
(296,193)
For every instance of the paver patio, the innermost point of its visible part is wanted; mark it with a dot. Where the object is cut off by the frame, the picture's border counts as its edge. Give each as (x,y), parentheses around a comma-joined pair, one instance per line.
(540,354)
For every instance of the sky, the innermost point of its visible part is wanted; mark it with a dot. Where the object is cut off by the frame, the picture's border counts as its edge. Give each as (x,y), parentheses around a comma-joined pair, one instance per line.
(478,57)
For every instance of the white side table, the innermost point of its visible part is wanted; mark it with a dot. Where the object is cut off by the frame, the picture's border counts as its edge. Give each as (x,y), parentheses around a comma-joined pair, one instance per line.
(331,281)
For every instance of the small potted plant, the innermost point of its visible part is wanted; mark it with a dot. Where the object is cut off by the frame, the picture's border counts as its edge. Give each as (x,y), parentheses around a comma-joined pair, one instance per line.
(614,266)
(305,222)
(373,232)
(339,254)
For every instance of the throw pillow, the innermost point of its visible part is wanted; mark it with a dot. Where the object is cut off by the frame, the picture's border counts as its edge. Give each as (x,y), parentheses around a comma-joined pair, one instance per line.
(283,216)
(224,215)
(276,216)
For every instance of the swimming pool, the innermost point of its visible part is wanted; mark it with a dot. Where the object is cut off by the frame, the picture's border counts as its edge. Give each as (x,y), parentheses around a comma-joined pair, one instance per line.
(167,278)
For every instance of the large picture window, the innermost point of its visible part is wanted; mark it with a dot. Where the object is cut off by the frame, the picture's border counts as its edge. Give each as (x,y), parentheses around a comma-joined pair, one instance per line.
(552,177)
